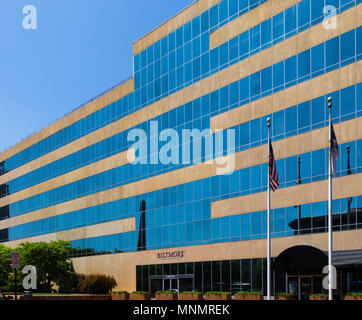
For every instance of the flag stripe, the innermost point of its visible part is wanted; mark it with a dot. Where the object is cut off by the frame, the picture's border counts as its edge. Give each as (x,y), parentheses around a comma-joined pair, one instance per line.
(273,173)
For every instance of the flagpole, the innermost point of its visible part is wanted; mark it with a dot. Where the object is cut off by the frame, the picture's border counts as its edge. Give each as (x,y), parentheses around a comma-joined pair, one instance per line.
(268,218)
(330,226)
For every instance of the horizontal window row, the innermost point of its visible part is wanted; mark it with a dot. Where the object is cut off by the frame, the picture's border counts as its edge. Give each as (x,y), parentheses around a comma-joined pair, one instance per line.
(208,21)
(290,221)
(333,54)
(191,201)
(193,61)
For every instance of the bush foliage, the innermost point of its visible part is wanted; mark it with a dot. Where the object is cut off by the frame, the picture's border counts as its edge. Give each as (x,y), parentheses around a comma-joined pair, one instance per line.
(96,284)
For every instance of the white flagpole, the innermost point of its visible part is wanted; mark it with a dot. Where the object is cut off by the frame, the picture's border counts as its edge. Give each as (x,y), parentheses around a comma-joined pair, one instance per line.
(330,221)
(268,219)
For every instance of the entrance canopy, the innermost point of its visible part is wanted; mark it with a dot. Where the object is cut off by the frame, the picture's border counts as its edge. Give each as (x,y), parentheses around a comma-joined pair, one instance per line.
(300,259)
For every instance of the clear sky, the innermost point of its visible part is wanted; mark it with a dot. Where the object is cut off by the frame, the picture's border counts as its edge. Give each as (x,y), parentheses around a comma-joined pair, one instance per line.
(80,49)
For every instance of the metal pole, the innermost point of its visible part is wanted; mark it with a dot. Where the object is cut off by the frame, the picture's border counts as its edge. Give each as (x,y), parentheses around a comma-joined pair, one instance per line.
(330,221)
(16,294)
(268,218)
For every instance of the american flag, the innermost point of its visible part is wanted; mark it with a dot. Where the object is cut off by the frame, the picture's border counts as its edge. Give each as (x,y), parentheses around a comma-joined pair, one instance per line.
(334,151)
(273,173)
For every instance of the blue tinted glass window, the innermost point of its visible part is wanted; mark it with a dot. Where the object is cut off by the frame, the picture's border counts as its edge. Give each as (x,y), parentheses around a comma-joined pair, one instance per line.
(303,12)
(278,123)
(255,131)
(278,25)
(317,9)
(255,177)
(278,74)
(187,52)
(244,134)
(318,57)
(255,38)
(266,79)
(266,32)
(348,101)
(304,115)
(255,84)
(318,111)
(291,69)
(157,50)
(205,63)
(224,53)
(187,32)
(149,54)
(291,170)
(304,63)
(244,88)
(204,21)
(223,10)
(332,52)
(205,43)
(172,41)
(348,45)
(195,27)
(245,179)
(233,7)
(234,93)
(179,37)
(214,58)
(233,49)
(196,47)
(318,165)
(244,43)
(290,19)
(214,16)
(359,97)
(359,40)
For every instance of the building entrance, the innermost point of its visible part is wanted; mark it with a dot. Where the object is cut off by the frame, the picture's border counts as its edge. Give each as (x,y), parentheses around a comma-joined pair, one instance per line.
(178,283)
(302,286)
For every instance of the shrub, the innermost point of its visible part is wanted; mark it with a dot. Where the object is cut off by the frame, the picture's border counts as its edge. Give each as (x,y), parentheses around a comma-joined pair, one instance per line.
(318,295)
(141,292)
(191,292)
(283,294)
(247,292)
(120,292)
(217,292)
(354,294)
(96,284)
(165,292)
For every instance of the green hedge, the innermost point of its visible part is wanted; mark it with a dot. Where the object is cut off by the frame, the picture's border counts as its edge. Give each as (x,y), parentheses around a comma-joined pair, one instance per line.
(217,292)
(354,294)
(166,292)
(141,292)
(318,295)
(191,292)
(120,292)
(283,294)
(96,284)
(247,293)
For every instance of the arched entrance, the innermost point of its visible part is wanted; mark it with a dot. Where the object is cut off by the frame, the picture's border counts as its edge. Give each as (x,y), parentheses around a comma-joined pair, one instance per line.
(302,267)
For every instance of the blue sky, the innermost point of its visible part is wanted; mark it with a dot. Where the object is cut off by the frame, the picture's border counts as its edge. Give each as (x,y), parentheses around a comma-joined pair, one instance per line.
(80,49)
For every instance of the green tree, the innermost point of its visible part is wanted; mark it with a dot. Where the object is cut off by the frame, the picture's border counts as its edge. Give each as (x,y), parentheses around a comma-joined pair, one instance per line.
(51,262)
(5,266)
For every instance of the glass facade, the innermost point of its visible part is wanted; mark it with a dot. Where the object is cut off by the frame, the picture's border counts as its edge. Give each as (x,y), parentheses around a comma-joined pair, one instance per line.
(180,215)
